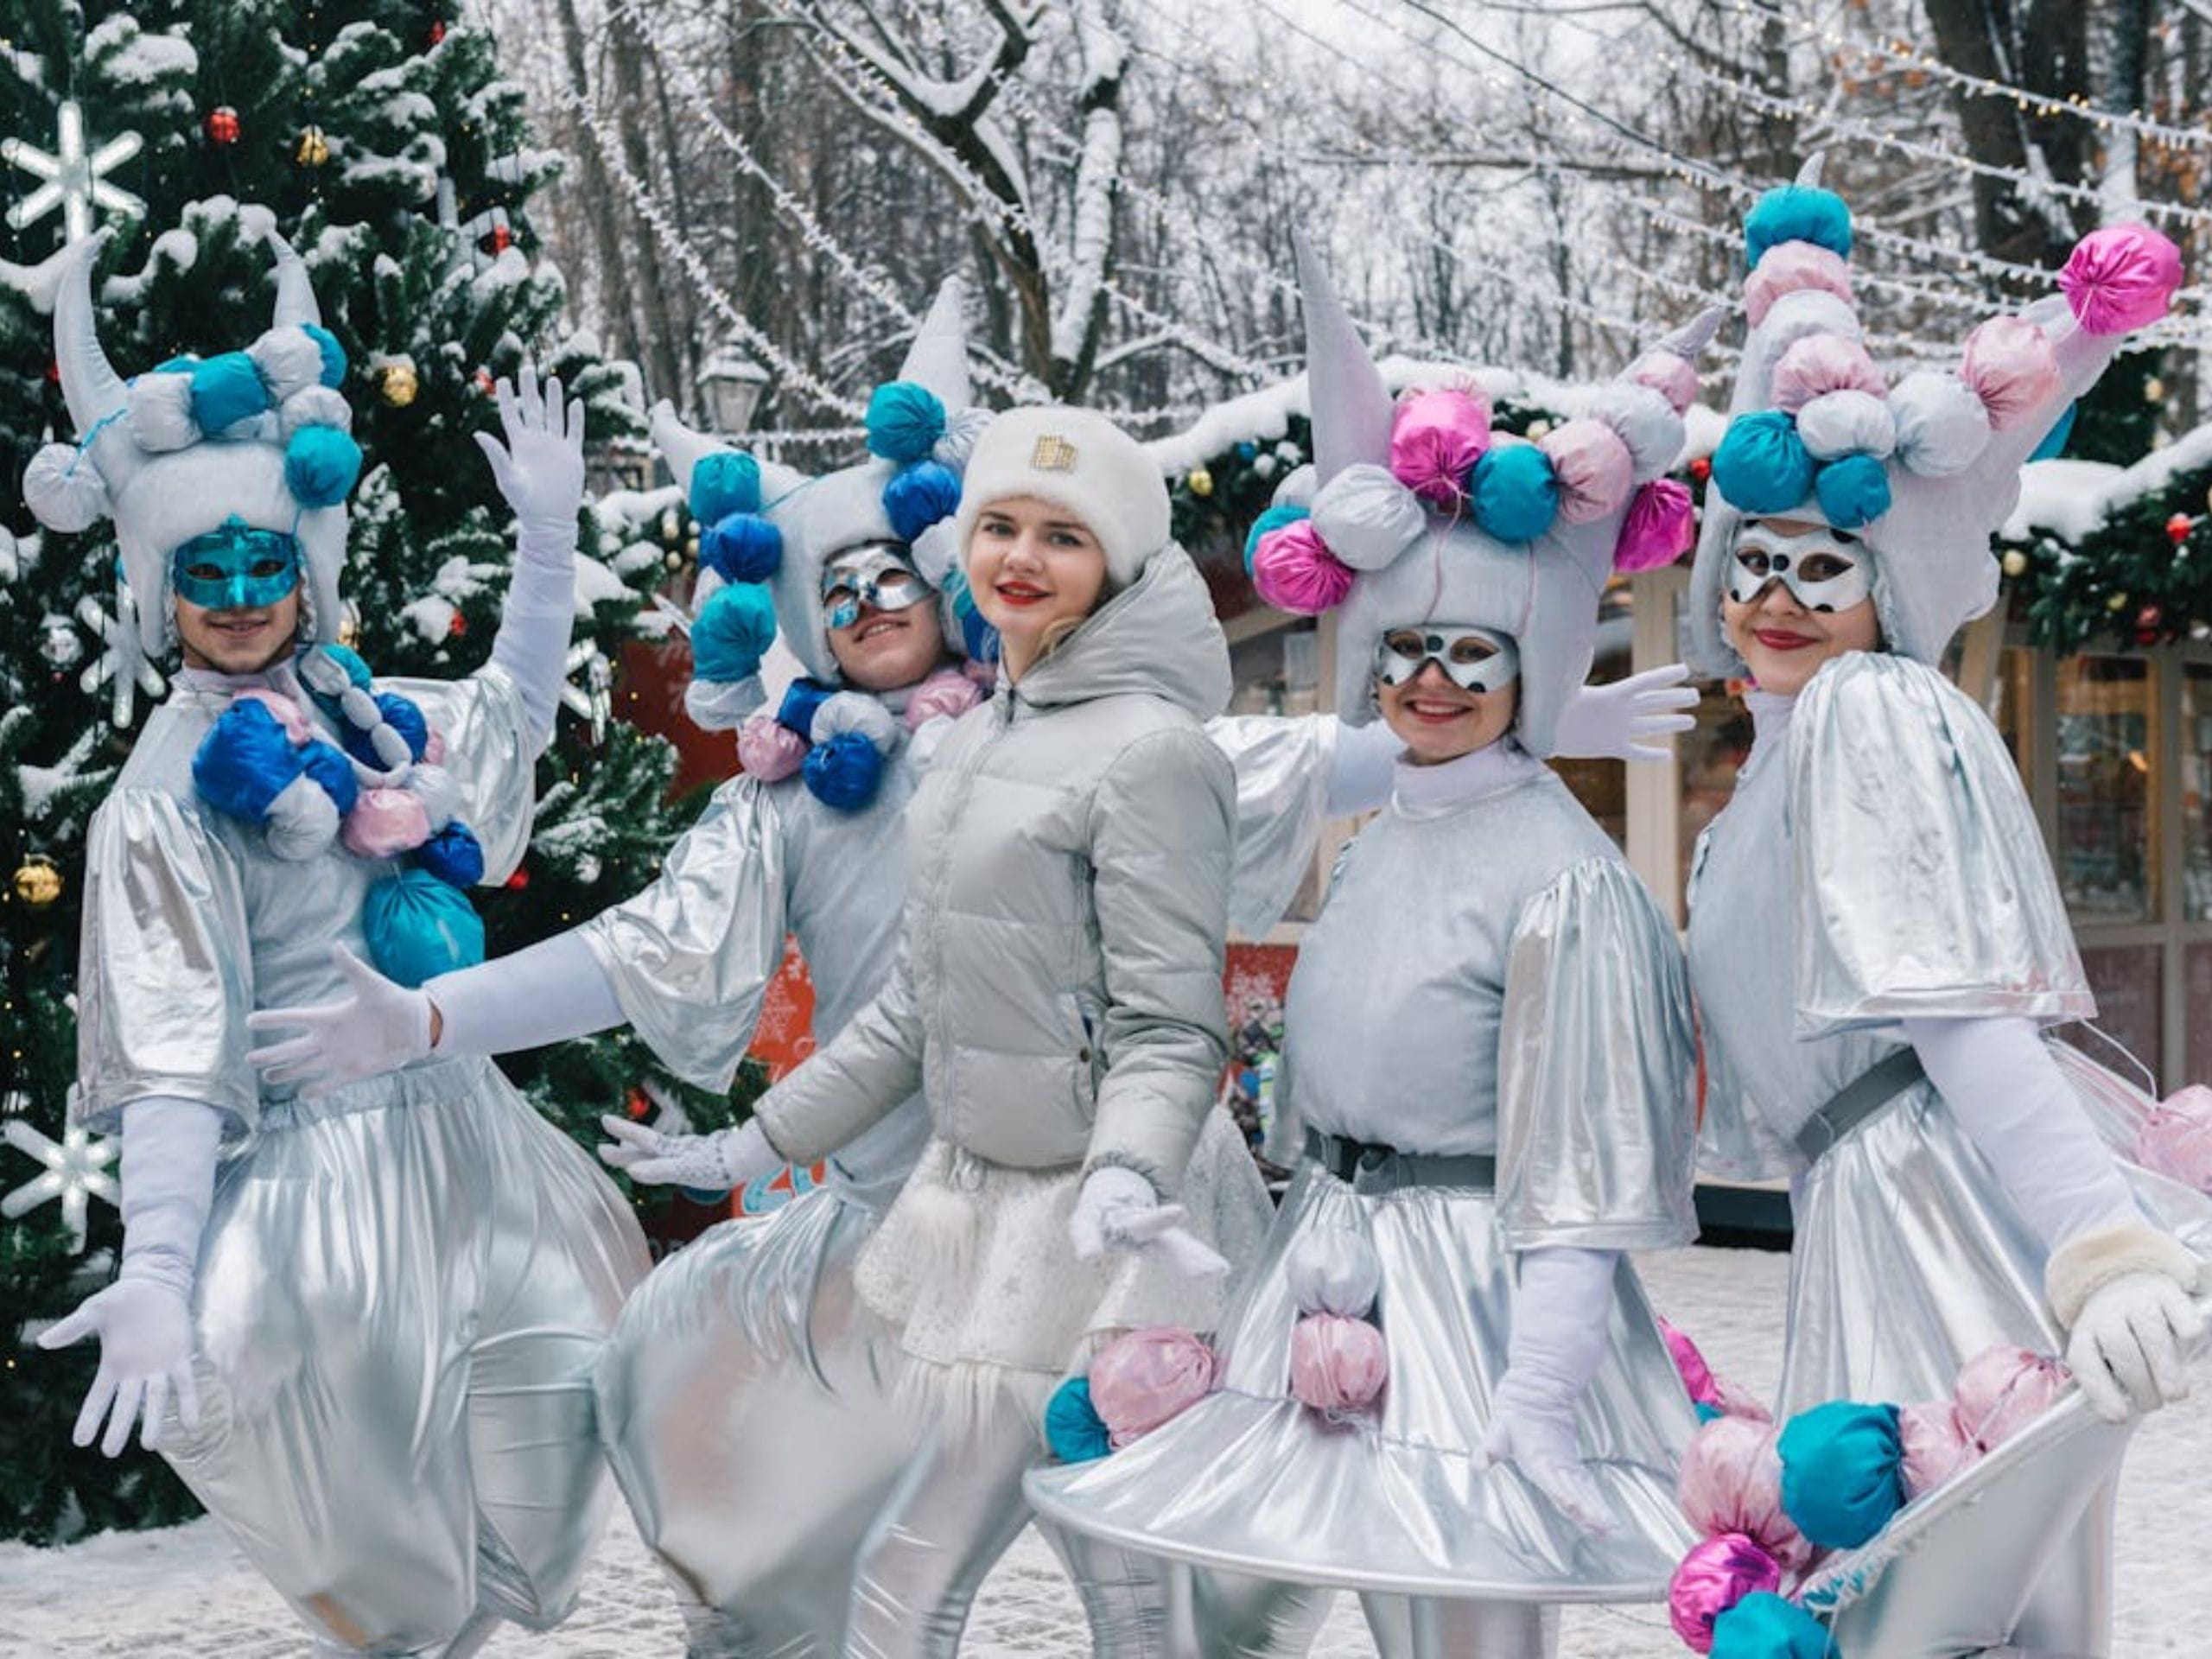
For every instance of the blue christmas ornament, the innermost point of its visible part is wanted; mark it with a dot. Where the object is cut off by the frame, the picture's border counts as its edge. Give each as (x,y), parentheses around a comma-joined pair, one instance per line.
(244,762)
(800,702)
(1798,212)
(734,630)
(1842,1471)
(418,927)
(1764,1626)
(904,420)
(1072,1427)
(453,854)
(1854,490)
(334,354)
(1513,493)
(320,466)
(1761,466)
(1274,519)
(918,496)
(225,390)
(742,547)
(844,772)
(725,482)
(322,762)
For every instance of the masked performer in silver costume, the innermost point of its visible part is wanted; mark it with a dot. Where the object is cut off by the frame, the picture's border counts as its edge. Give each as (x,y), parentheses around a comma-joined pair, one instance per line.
(1876,940)
(361,1327)
(1488,1040)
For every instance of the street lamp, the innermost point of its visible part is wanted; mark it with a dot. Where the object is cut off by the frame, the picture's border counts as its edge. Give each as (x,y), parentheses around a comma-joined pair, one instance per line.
(733,384)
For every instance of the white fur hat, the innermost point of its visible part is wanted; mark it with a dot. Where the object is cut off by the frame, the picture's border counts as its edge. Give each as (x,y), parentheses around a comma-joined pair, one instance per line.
(1078,459)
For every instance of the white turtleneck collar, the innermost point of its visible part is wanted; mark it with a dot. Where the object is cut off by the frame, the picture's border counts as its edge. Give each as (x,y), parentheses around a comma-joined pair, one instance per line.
(279,676)
(1770,712)
(1433,791)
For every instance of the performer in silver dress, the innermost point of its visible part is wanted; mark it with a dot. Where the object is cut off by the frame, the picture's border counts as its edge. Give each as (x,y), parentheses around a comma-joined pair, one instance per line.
(360,1326)
(1876,941)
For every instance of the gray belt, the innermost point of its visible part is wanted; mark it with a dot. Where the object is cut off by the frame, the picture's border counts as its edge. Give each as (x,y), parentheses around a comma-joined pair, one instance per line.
(1859,1100)
(1372,1167)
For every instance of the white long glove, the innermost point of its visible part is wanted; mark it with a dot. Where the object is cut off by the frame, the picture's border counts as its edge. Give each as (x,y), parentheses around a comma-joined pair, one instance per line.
(376,1027)
(1116,1209)
(713,1163)
(143,1319)
(540,471)
(1558,1342)
(2128,1349)
(1632,719)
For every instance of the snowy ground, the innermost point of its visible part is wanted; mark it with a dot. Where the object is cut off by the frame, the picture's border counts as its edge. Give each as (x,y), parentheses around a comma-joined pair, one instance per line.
(186,1592)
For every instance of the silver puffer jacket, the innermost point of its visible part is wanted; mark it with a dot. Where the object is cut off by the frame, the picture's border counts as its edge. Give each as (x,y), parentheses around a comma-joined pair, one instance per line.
(1058,992)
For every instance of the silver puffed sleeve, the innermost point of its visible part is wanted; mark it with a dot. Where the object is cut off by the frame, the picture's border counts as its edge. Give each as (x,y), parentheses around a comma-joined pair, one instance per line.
(491,756)
(166,975)
(1282,768)
(1921,885)
(1596,1139)
(691,957)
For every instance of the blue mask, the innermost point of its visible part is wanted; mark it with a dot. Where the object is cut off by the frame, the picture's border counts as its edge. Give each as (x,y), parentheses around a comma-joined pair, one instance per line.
(236,567)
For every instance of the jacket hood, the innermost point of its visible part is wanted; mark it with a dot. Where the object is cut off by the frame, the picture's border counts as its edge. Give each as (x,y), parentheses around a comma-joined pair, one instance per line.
(1158,637)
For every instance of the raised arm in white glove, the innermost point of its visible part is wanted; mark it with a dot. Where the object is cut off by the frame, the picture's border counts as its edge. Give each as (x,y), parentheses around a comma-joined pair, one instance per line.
(1116,1209)
(540,470)
(713,1163)
(144,1320)
(1632,719)
(1559,1309)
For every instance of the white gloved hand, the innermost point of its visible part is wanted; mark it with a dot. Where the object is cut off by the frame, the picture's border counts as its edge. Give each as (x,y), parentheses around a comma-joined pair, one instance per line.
(1629,720)
(540,469)
(713,1163)
(2129,1346)
(1116,1209)
(1538,1438)
(144,1325)
(378,1026)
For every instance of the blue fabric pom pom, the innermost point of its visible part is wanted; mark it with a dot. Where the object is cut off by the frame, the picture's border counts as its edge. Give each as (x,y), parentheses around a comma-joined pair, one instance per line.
(349,659)
(321,465)
(1797,213)
(417,927)
(919,496)
(453,854)
(742,547)
(977,638)
(733,630)
(225,390)
(404,716)
(1513,493)
(904,421)
(2054,441)
(244,762)
(1762,1625)
(1762,465)
(844,772)
(799,704)
(1273,518)
(334,354)
(322,762)
(1842,1471)
(725,482)
(1072,1427)
(1854,490)
(1706,1413)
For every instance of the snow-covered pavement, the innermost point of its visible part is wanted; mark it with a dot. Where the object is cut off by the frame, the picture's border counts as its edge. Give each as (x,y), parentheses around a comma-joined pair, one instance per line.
(186,1592)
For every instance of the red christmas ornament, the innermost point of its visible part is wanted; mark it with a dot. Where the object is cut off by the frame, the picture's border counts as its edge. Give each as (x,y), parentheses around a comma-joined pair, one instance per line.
(457,627)
(223,125)
(1702,469)
(2148,621)
(517,881)
(437,31)
(2178,528)
(502,239)
(53,373)
(637,1103)
(483,381)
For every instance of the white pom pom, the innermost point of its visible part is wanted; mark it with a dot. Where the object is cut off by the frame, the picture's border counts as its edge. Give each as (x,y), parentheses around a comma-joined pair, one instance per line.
(1847,423)
(711,581)
(851,711)
(1333,1270)
(390,746)
(722,705)
(1367,517)
(65,489)
(961,428)
(1943,427)
(1644,421)
(1803,312)
(160,412)
(440,796)
(302,821)
(935,552)
(316,406)
(1297,488)
(289,361)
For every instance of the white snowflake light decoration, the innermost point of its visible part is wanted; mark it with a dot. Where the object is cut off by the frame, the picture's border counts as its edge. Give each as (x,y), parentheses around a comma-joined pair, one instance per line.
(76,1172)
(120,660)
(589,693)
(74,180)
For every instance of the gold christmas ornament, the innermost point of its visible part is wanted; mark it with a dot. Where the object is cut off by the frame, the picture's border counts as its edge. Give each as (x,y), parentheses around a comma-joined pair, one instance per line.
(398,385)
(2015,563)
(313,149)
(1538,429)
(2154,391)
(2117,602)
(38,881)
(1200,480)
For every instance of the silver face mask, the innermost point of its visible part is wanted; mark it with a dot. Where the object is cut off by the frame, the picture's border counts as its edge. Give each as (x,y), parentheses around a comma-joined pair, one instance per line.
(880,575)
(1825,569)
(1474,659)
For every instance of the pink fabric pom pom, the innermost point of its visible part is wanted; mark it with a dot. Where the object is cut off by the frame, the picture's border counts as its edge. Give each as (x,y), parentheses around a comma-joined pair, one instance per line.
(2012,368)
(288,715)
(768,750)
(1935,1447)
(949,692)
(1731,1481)
(433,750)
(1789,266)
(2120,277)
(1337,1364)
(1673,377)
(1661,525)
(386,823)
(1145,1378)
(1697,1376)
(1733,1402)
(1712,1578)
(2002,1389)
(1821,363)
(2176,1139)
(1293,571)
(1593,467)
(1436,438)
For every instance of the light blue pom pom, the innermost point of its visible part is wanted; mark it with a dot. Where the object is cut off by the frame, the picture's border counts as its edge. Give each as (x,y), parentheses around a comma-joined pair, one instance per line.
(1762,465)
(320,466)
(1513,493)
(904,421)
(226,390)
(725,482)
(1072,1427)
(919,496)
(1854,490)
(1706,1413)
(453,854)
(1842,1471)
(742,547)
(184,365)
(845,771)
(418,927)
(1798,212)
(322,762)
(1764,1626)
(349,659)
(244,762)
(1273,518)
(734,630)
(334,354)
(2054,441)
